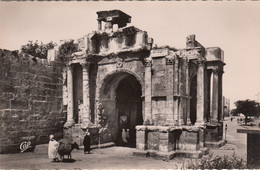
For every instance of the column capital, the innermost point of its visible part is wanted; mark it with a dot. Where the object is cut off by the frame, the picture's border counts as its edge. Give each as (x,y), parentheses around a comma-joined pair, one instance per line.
(209,71)
(84,64)
(201,61)
(215,70)
(221,72)
(69,66)
(148,62)
(170,60)
(187,63)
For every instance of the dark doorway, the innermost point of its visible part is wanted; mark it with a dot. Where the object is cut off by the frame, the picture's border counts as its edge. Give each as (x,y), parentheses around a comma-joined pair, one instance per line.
(193,100)
(129,109)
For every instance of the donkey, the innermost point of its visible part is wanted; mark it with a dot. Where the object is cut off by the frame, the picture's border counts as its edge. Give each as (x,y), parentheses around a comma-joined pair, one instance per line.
(66,148)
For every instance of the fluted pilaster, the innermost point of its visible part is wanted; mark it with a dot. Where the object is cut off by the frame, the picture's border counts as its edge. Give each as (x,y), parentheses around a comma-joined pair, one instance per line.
(200,91)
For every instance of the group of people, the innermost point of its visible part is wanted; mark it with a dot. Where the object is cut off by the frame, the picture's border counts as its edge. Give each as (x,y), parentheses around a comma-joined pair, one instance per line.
(54,147)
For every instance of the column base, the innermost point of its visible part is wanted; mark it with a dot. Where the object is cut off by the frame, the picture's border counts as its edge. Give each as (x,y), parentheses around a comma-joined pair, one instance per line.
(218,144)
(69,123)
(86,125)
(193,154)
(202,123)
(148,122)
(188,122)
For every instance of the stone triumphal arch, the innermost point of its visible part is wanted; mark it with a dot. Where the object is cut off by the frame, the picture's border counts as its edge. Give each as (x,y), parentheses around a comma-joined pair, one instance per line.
(168,100)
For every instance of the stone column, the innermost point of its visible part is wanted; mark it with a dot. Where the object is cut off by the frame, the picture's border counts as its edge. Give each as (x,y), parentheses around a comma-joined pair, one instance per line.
(209,115)
(148,92)
(181,93)
(180,118)
(200,92)
(70,120)
(169,95)
(187,94)
(176,91)
(64,87)
(220,97)
(215,96)
(86,119)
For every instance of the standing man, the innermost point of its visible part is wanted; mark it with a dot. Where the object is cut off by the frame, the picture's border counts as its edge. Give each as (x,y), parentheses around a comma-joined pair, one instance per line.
(53,149)
(87,142)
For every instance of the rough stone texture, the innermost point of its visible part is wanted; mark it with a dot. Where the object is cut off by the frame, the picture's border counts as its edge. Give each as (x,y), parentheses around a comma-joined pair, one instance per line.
(168,142)
(214,133)
(30,100)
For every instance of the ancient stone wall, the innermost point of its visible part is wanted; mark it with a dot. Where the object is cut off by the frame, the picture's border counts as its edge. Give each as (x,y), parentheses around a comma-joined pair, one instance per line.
(30,100)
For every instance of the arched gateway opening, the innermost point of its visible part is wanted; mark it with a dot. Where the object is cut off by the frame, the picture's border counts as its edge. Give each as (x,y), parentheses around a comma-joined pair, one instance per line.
(120,95)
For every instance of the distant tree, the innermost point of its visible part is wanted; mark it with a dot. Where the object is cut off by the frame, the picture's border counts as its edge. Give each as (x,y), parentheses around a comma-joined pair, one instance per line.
(233,112)
(247,108)
(66,49)
(36,49)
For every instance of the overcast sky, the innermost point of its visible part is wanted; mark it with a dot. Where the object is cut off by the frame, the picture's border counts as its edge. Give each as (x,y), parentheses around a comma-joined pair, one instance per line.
(233,26)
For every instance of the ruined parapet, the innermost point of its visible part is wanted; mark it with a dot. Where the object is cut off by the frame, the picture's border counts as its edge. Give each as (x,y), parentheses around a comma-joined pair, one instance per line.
(125,40)
(110,40)
(111,18)
(191,42)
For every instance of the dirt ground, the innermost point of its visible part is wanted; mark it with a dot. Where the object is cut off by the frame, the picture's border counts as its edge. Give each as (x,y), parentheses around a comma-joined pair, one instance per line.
(115,157)
(106,158)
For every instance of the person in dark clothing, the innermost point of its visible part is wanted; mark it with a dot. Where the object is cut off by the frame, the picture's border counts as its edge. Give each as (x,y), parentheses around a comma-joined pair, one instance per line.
(86,143)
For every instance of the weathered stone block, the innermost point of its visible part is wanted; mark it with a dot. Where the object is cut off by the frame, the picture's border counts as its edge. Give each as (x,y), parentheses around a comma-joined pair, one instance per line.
(19,104)
(153,140)
(4,104)
(189,140)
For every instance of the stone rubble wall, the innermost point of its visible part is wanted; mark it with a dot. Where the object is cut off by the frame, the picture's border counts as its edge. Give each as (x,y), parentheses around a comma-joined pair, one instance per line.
(30,100)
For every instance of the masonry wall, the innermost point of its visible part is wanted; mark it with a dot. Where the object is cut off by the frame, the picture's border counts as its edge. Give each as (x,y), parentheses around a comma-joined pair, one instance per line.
(30,100)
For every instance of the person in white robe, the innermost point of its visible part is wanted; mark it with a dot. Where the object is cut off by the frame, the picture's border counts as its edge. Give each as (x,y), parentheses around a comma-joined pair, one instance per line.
(53,149)
(124,136)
